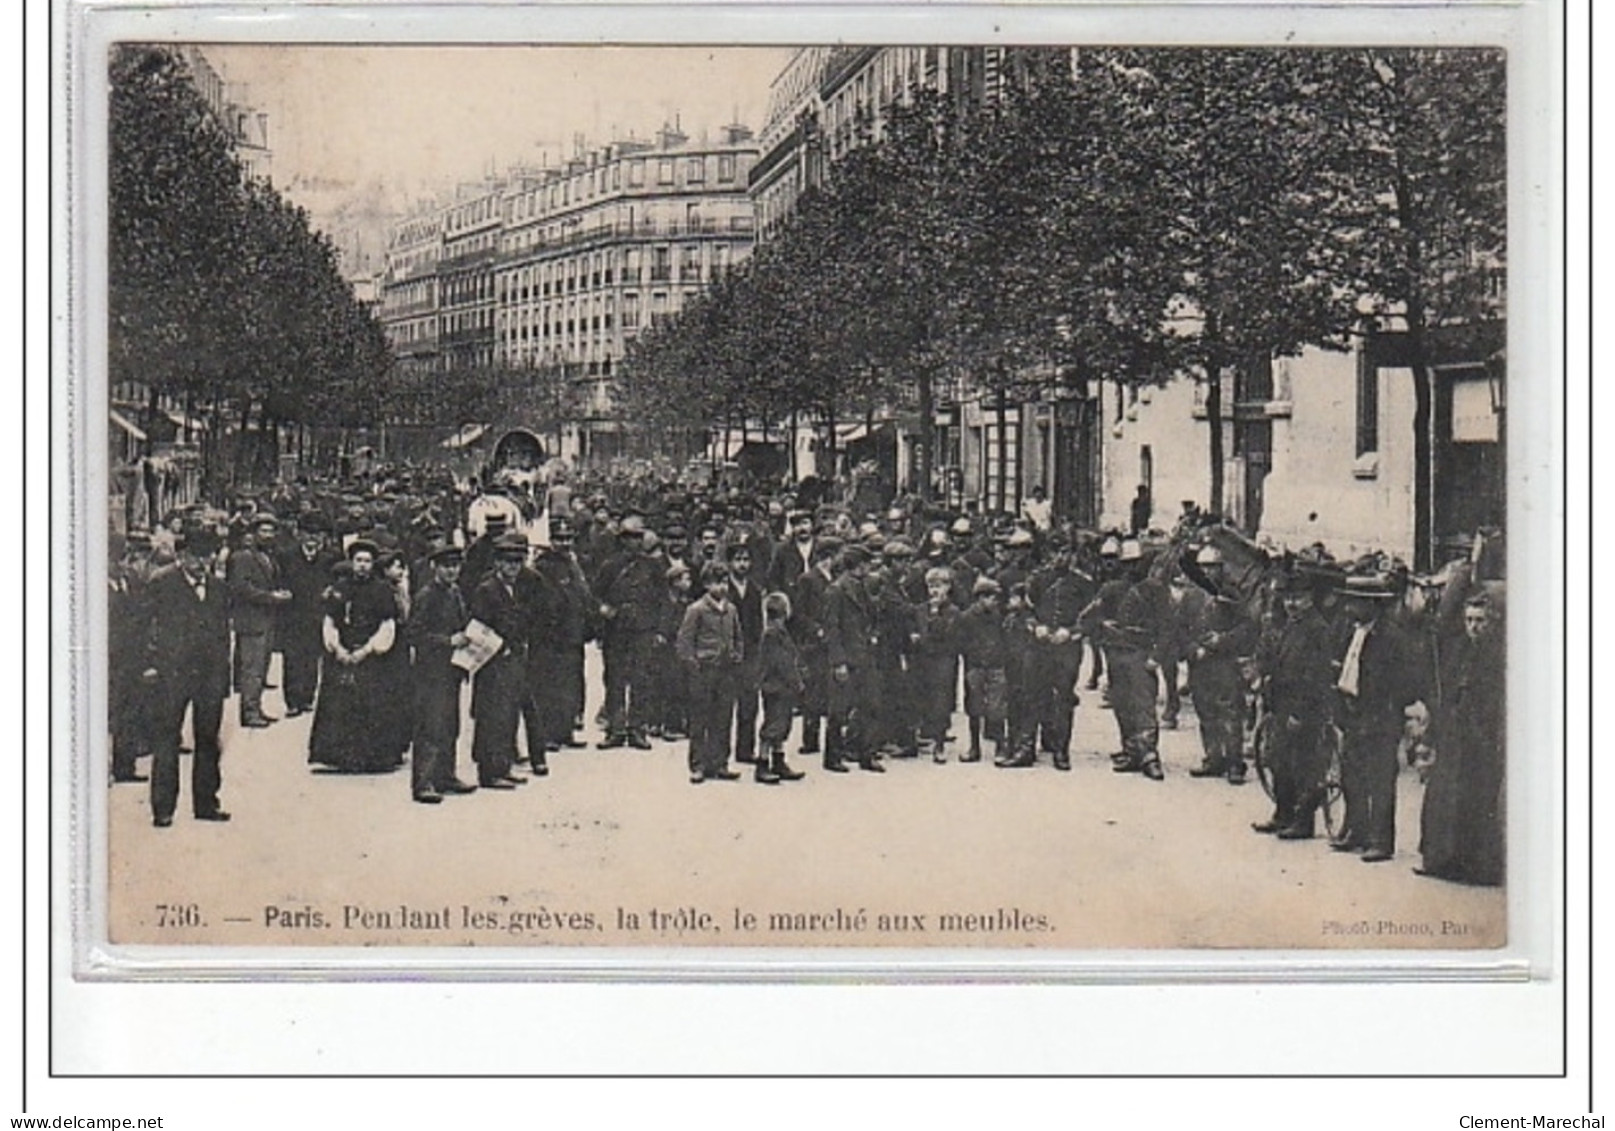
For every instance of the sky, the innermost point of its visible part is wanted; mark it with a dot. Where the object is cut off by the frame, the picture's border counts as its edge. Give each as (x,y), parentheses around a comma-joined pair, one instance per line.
(419,119)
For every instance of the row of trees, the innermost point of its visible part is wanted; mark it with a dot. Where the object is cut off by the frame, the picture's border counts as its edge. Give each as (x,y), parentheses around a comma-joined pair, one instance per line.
(219,293)
(1120,215)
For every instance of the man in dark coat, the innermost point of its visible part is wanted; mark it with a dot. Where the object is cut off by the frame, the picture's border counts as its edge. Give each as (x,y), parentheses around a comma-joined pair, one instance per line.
(128,695)
(850,645)
(304,574)
(1221,640)
(1299,668)
(793,557)
(630,591)
(809,597)
(188,663)
(1058,597)
(1461,830)
(1380,677)
(746,595)
(1130,640)
(500,686)
(560,687)
(436,628)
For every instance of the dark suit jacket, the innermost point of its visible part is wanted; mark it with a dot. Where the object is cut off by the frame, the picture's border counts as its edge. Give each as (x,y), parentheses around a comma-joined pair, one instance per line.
(849,625)
(1391,676)
(750,608)
(502,611)
(787,568)
(187,638)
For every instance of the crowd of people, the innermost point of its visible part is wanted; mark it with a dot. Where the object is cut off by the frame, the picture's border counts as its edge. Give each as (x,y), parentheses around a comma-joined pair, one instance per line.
(732,618)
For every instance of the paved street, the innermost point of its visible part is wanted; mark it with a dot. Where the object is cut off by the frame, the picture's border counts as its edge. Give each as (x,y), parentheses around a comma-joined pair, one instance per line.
(615,847)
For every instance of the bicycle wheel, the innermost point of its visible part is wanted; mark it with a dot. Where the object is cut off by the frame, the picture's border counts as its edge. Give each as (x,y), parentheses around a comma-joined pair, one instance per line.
(1334,801)
(1261,751)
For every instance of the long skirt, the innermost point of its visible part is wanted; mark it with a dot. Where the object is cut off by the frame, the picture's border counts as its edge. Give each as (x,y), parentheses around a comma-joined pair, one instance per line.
(348,733)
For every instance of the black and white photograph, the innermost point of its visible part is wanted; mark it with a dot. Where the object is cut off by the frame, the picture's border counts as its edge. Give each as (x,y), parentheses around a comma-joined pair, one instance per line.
(1040,498)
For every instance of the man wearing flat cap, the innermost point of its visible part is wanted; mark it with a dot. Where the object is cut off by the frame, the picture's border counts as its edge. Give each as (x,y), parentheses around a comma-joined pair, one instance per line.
(500,686)
(630,592)
(851,641)
(435,629)
(256,596)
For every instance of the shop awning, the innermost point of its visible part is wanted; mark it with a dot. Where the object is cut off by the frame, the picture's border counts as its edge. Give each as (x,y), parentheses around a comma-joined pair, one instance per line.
(126,424)
(466,436)
(188,423)
(724,445)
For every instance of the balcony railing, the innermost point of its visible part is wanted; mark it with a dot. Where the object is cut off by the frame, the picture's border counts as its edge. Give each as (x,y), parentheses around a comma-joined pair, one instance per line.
(639,229)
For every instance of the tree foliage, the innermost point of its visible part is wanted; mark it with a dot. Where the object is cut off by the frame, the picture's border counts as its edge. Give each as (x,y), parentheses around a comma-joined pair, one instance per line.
(218,290)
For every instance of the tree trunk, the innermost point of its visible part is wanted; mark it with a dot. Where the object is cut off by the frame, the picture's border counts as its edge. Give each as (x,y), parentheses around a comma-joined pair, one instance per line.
(1424,533)
(153,407)
(1213,365)
(922,440)
(829,470)
(791,442)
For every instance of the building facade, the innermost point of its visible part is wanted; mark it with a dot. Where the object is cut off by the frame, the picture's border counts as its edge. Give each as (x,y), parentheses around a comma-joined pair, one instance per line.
(410,310)
(1321,448)
(594,252)
(246,126)
(472,239)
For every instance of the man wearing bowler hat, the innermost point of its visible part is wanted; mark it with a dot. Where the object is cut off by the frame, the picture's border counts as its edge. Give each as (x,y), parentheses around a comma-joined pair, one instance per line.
(1298,665)
(188,663)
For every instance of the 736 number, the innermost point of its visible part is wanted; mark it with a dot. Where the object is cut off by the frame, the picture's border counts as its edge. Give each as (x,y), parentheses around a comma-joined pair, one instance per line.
(178,915)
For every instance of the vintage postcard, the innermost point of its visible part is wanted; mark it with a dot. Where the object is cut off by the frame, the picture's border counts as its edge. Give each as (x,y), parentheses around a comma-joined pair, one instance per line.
(976,498)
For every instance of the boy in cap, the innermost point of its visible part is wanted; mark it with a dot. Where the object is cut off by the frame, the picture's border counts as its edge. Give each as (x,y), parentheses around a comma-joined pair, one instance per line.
(780,681)
(986,650)
(934,653)
(710,648)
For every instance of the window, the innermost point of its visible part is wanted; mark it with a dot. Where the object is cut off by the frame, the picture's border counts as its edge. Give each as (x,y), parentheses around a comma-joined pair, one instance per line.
(664,171)
(636,172)
(630,310)
(1367,404)
(726,167)
(695,172)
(690,265)
(661,264)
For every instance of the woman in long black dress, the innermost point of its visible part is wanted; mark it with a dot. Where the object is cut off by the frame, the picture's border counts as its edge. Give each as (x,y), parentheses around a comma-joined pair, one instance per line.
(1461,831)
(360,629)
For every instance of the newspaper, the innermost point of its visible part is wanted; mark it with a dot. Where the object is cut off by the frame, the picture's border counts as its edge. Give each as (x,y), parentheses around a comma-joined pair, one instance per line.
(482,645)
